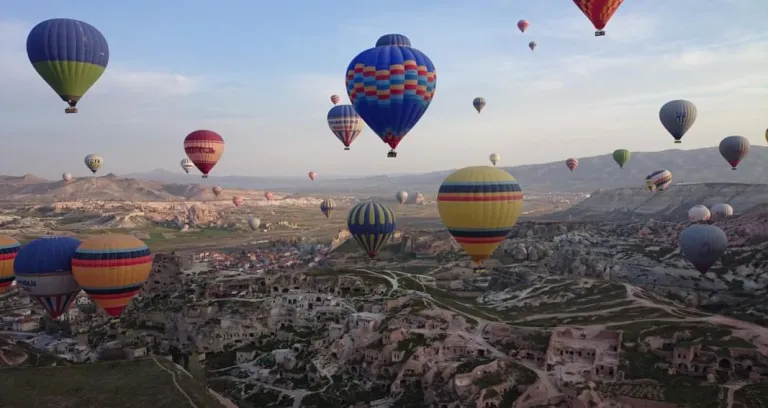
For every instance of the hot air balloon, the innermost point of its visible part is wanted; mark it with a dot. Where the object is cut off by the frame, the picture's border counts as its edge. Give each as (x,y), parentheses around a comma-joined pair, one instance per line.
(345,123)
(766,135)
(703,245)
(269,195)
(598,12)
(70,55)
(404,82)
(112,268)
(93,162)
(371,224)
(649,184)
(523,25)
(9,247)
(734,149)
(478,103)
(494,158)
(660,179)
(254,223)
(217,190)
(677,117)
(698,213)
(67,177)
(327,207)
(204,148)
(237,201)
(621,157)
(419,199)
(43,269)
(401,197)
(532,45)
(312,175)
(335,99)
(187,165)
(721,210)
(479,205)
(572,164)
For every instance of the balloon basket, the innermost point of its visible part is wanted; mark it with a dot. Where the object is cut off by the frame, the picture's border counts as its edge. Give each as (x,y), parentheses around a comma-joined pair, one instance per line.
(678,141)
(392,153)
(205,176)
(70,110)
(346,148)
(733,168)
(599,33)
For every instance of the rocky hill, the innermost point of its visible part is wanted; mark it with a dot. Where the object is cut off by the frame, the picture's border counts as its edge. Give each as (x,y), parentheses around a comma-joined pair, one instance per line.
(624,204)
(698,165)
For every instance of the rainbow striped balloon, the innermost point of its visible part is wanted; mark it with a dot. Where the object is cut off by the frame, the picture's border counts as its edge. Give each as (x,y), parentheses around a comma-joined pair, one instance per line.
(111,269)
(479,205)
(9,247)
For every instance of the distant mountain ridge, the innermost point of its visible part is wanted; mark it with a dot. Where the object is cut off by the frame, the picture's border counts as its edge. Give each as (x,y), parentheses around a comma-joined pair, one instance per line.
(698,165)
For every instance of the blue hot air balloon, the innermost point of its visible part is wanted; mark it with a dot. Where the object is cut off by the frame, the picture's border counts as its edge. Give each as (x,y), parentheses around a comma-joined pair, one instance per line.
(372,225)
(70,55)
(391,86)
(44,270)
(345,123)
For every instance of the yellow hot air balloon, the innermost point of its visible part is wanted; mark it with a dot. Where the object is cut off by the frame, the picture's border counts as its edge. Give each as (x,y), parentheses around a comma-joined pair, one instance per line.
(479,205)
(111,269)
(9,247)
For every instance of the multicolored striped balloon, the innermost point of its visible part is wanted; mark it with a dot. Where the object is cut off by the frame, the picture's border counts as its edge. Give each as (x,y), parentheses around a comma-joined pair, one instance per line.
(371,224)
(112,268)
(9,247)
(204,148)
(572,164)
(327,207)
(43,269)
(479,205)
(335,99)
(345,123)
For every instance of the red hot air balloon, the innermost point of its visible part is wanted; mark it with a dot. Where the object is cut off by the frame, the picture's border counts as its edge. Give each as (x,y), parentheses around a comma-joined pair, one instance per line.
(598,12)
(335,99)
(237,201)
(572,164)
(269,196)
(204,148)
(523,25)
(312,175)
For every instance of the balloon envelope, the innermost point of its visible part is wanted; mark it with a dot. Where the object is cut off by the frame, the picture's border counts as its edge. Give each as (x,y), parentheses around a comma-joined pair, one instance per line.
(401,197)
(217,190)
(479,104)
(9,248)
(312,175)
(237,201)
(660,179)
(621,157)
(404,79)
(345,124)
(93,162)
(721,210)
(112,268)
(269,195)
(698,213)
(335,99)
(327,207)
(523,25)
(677,117)
(254,222)
(599,12)
(734,149)
(187,165)
(572,164)
(532,45)
(494,158)
(67,177)
(371,224)
(479,205)
(70,55)
(43,269)
(204,148)
(703,245)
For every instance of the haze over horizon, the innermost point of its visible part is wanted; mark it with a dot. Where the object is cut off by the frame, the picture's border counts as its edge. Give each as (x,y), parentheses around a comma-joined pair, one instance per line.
(261,76)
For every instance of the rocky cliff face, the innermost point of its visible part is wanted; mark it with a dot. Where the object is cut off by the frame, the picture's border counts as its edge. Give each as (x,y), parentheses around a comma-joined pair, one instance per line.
(628,203)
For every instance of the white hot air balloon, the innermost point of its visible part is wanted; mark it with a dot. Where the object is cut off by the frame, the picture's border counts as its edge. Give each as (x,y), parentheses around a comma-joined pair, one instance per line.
(187,165)
(67,177)
(494,158)
(722,210)
(698,213)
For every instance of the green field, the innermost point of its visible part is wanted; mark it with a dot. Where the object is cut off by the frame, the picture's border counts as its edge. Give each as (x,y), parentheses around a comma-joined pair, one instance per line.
(124,384)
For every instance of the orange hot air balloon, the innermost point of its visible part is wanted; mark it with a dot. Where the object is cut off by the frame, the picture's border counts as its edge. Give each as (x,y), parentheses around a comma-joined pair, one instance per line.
(335,99)
(111,269)
(598,12)
(204,148)
(312,175)
(269,196)
(237,201)
(217,190)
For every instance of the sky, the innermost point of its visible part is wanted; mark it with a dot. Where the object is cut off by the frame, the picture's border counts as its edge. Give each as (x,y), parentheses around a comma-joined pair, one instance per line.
(260,73)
